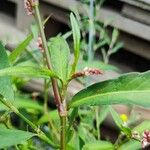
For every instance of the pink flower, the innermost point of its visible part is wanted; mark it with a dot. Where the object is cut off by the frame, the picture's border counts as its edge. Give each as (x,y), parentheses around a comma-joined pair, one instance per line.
(40,44)
(28,4)
(87,72)
(28,7)
(145,139)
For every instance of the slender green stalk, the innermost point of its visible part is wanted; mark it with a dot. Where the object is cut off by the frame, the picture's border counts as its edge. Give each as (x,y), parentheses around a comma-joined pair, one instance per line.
(97,122)
(47,56)
(51,125)
(58,99)
(40,134)
(63,133)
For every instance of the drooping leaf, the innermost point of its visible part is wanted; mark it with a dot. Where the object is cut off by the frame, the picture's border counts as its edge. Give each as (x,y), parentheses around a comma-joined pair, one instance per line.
(131,88)
(60,56)
(16,52)
(27,71)
(103,113)
(131,145)
(5,82)
(145,125)
(11,137)
(99,145)
(76,39)
(116,117)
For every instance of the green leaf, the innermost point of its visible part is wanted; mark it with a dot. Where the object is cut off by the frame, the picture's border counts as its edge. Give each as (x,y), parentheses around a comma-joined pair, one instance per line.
(23,102)
(13,137)
(76,39)
(145,125)
(131,88)
(5,82)
(16,52)
(116,117)
(60,56)
(131,145)
(27,71)
(103,113)
(99,145)
(53,115)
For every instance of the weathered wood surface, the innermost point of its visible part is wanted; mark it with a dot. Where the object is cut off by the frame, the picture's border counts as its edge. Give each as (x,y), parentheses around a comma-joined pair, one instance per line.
(136,13)
(144,4)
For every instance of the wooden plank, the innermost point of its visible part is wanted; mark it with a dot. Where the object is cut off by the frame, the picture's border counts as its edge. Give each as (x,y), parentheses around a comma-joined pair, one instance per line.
(136,13)
(144,4)
(125,24)
(135,45)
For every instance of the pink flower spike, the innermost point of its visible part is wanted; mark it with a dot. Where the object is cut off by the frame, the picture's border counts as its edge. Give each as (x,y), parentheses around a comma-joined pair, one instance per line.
(87,72)
(40,44)
(146,139)
(28,7)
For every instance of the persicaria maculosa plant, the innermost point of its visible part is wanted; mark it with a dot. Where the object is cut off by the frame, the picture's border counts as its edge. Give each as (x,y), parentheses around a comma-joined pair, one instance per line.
(71,128)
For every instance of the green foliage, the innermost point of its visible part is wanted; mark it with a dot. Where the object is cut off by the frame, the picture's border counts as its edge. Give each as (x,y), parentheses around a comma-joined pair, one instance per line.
(131,88)
(23,102)
(5,82)
(27,71)
(21,47)
(53,115)
(141,127)
(116,117)
(11,137)
(99,145)
(132,144)
(75,120)
(60,56)
(76,40)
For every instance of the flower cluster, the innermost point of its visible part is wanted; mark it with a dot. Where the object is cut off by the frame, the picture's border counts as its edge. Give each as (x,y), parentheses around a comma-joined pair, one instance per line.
(40,44)
(28,4)
(145,138)
(87,72)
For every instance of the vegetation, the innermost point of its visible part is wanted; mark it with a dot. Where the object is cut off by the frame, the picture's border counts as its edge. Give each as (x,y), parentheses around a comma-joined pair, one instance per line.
(75,123)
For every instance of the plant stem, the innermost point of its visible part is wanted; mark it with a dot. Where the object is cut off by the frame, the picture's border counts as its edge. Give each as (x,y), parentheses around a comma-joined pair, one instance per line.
(58,99)
(54,130)
(47,56)
(40,134)
(63,133)
(97,122)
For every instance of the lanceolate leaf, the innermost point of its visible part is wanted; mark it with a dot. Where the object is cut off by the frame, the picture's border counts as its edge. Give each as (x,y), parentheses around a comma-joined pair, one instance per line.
(76,39)
(132,88)
(27,72)
(13,137)
(16,52)
(99,145)
(60,56)
(5,82)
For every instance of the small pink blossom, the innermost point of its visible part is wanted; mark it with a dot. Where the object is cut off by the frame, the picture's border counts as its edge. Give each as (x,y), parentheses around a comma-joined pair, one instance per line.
(28,4)
(87,72)
(145,139)
(28,7)
(40,44)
